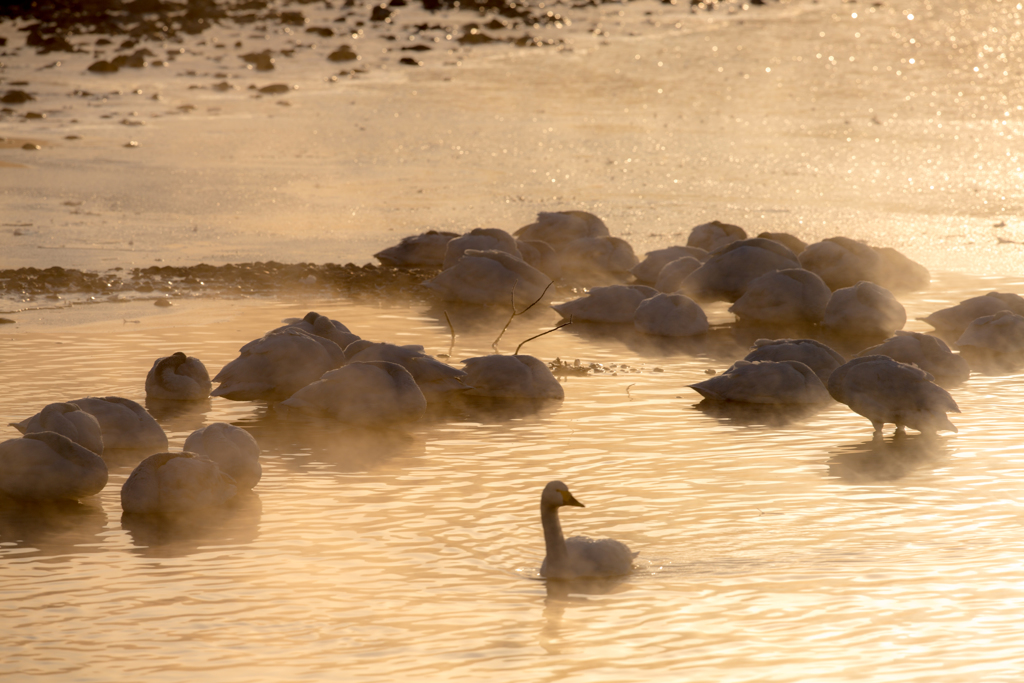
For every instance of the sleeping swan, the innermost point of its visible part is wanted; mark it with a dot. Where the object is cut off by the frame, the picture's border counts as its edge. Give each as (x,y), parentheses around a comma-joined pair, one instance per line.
(577,556)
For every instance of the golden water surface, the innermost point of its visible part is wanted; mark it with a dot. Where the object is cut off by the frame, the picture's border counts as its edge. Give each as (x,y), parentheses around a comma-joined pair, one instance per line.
(773,547)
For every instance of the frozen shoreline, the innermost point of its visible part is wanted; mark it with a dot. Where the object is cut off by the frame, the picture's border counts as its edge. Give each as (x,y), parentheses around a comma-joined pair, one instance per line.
(654,128)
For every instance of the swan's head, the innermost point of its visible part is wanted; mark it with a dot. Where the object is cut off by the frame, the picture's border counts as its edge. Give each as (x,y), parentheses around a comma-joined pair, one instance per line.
(556,494)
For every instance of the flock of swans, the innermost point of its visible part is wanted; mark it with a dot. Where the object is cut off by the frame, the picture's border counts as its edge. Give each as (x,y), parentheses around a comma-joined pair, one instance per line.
(317,366)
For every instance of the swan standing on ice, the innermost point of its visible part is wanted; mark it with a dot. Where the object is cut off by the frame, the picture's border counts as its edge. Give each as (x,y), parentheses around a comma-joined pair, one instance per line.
(232,448)
(68,420)
(178,378)
(577,556)
(884,390)
(169,483)
(49,466)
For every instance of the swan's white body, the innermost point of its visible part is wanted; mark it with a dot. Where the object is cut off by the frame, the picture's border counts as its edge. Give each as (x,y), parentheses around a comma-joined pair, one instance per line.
(955,319)
(884,390)
(375,392)
(233,449)
(786,382)
(578,556)
(610,304)
(480,239)
(323,327)
(793,296)
(864,310)
(926,352)
(729,270)
(488,278)
(999,337)
(590,259)
(275,366)
(795,244)
(49,466)
(124,423)
(66,419)
(172,483)
(670,315)
(511,377)
(426,250)
(674,274)
(713,235)
(178,378)
(647,271)
(841,262)
(558,228)
(812,353)
(435,379)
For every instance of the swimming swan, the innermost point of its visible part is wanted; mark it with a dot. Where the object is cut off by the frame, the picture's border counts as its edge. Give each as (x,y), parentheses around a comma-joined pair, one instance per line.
(169,483)
(577,556)
(49,466)
(884,390)
(178,378)
(863,310)
(66,419)
(232,448)
(955,319)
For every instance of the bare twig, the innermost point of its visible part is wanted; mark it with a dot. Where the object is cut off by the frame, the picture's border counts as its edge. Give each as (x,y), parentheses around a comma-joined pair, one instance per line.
(451,347)
(627,391)
(556,327)
(515,312)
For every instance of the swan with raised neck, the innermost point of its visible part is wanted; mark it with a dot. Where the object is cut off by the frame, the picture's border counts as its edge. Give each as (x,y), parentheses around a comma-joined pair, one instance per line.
(577,556)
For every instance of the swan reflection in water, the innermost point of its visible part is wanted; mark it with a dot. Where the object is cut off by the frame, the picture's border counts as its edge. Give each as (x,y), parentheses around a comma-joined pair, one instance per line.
(755,414)
(562,595)
(52,528)
(179,416)
(888,459)
(235,523)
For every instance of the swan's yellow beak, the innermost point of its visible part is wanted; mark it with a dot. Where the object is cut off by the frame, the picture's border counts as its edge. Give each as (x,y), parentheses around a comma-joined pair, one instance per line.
(567,499)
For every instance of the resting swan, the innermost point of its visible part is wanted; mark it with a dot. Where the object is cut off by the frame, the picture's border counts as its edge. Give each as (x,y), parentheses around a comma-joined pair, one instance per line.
(49,466)
(178,378)
(66,419)
(233,449)
(578,556)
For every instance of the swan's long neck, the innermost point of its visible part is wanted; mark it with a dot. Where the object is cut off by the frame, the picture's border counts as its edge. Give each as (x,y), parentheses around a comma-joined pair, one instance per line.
(554,541)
